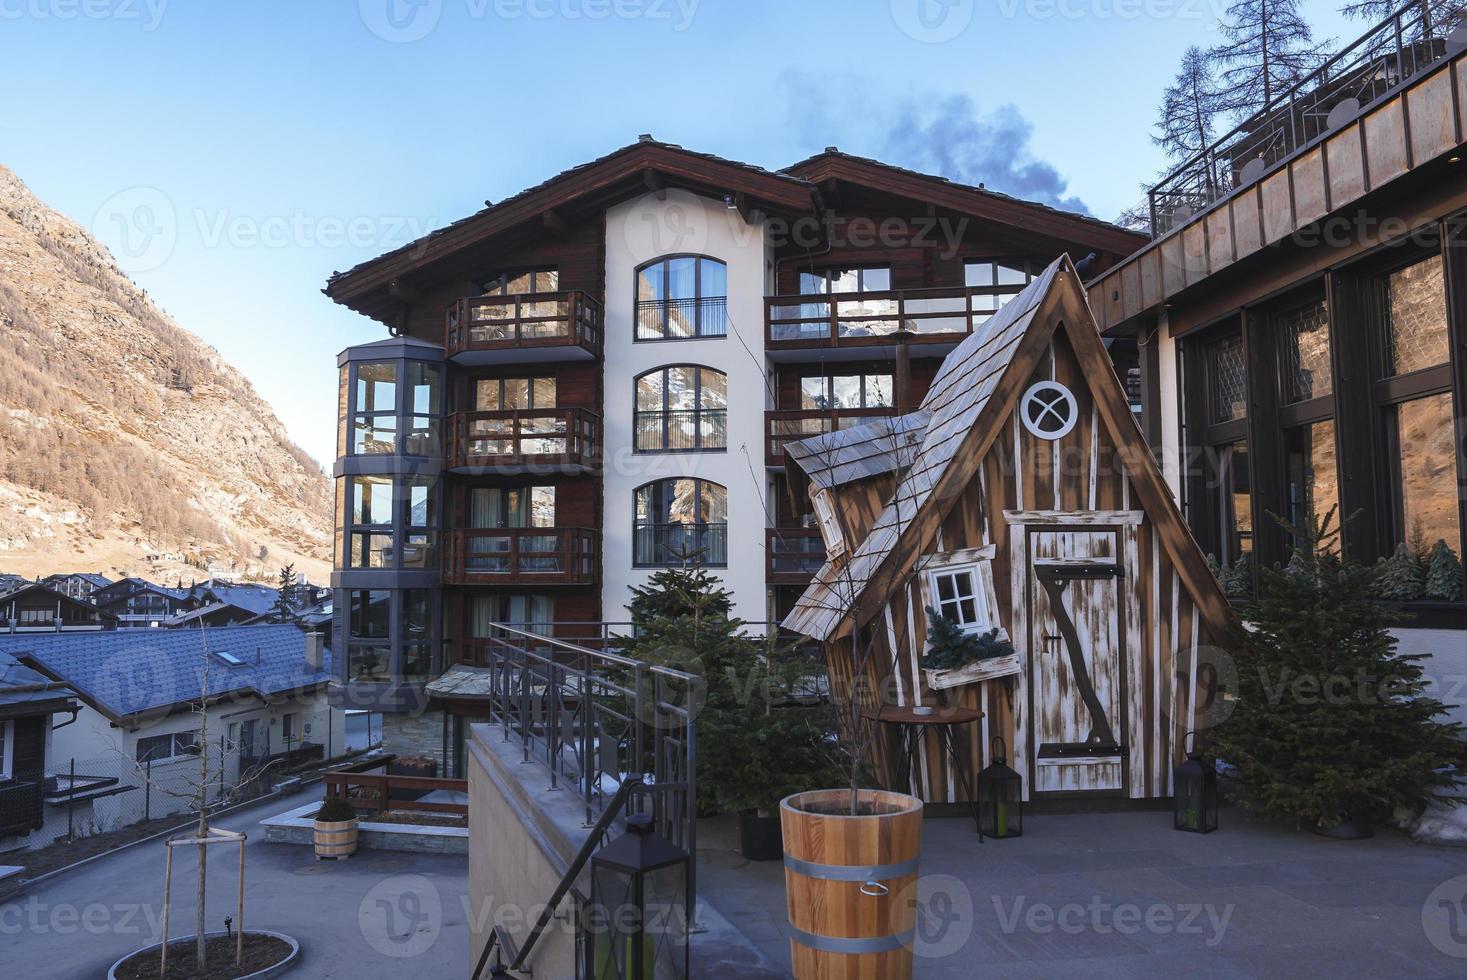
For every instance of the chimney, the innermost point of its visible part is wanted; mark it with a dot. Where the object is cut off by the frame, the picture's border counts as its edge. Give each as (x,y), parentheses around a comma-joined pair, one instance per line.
(315,652)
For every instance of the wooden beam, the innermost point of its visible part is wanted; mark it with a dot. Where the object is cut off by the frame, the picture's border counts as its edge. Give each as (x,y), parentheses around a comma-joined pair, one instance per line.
(555,224)
(654,183)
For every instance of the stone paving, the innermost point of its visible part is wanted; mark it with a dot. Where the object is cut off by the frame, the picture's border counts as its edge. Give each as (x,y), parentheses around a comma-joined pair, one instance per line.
(1124,895)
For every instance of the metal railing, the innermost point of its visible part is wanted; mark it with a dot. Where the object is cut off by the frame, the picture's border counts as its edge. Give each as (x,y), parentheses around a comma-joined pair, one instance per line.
(1411,40)
(794,554)
(683,430)
(671,319)
(518,322)
(792,425)
(597,720)
(680,544)
(521,439)
(938,315)
(533,555)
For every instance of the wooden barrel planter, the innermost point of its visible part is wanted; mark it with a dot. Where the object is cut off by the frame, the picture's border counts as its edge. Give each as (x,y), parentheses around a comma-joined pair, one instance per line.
(335,838)
(849,883)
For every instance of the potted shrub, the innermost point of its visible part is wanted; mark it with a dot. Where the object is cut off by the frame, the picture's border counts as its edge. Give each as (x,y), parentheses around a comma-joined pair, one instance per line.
(1332,727)
(954,657)
(335,829)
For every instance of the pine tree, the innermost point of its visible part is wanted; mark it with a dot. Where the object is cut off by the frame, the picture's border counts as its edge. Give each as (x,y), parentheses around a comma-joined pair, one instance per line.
(284,610)
(1443,573)
(1267,49)
(1399,577)
(1189,107)
(1330,721)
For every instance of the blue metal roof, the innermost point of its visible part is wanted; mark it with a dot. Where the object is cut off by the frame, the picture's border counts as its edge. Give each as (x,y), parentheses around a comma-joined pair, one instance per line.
(127,672)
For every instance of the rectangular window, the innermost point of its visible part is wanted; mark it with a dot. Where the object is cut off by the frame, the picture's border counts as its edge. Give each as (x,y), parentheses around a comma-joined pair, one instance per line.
(523,283)
(869,279)
(846,391)
(507,394)
(979,275)
(1426,473)
(1227,381)
(1237,500)
(956,592)
(1414,314)
(1305,361)
(1314,485)
(165,748)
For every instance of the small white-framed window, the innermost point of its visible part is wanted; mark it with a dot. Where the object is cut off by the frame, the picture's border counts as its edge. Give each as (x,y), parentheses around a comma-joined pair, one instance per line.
(7,750)
(955,594)
(830,529)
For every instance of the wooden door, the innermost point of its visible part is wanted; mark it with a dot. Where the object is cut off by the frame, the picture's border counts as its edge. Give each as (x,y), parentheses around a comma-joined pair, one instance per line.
(1076,663)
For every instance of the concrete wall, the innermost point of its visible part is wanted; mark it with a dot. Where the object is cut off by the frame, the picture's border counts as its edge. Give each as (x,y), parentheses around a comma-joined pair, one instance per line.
(636,233)
(522,837)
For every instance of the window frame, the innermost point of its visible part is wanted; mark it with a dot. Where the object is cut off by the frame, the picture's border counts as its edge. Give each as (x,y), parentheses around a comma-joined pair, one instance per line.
(639,562)
(503,279)
(698,412)
(977,562)
(174,746)
(698,298)
(824,272)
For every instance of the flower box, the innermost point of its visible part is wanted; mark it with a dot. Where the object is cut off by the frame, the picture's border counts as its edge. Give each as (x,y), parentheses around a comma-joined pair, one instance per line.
(974,673)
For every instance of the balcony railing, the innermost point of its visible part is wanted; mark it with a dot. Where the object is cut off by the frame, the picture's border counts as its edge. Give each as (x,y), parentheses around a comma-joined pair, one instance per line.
(797,424)
(673,319)
(682,431)
(556,440)
(522,555)
(941,315)
(552,321)
(680,544)
(793,554)
(1413,39)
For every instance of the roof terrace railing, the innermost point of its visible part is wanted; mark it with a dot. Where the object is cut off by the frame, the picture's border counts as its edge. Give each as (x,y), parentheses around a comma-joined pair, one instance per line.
(1416,36)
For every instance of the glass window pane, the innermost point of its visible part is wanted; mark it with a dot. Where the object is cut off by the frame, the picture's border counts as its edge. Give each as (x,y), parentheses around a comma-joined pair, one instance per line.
(370,614)
(486,395)
(1304,334)
(650,283)
(682,388)
(1415,317)
(715,278)
(1313,478)
(516,393)
(1010,276)
(422,502)
(544,393)
(715,389)
(813,394)
(1428,473)
(547,281)
(542,506)
(371,501)
(978,273)
(1237,502)
(878,391)
(649,392)
(714,504)
(846,390)
(875,280)
(682,278)
(377,387)
(814,283)
(1228,380)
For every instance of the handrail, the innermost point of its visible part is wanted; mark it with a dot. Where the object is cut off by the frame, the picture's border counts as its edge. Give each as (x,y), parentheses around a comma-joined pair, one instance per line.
(838,318)
(1394,51)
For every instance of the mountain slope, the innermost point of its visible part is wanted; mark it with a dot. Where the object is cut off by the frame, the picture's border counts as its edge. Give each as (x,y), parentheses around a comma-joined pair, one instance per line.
(127,445)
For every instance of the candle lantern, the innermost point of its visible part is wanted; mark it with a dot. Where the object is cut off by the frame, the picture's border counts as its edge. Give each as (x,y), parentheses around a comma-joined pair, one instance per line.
(1195,785)
(639,906)
(1000,796)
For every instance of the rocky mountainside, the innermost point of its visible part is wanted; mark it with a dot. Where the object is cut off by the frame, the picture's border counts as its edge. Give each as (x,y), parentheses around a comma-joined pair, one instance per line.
(128,445)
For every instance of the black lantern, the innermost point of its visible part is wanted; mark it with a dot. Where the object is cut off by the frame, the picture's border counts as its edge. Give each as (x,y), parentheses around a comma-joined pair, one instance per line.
(1195,785)
(639,906)
(1000,797)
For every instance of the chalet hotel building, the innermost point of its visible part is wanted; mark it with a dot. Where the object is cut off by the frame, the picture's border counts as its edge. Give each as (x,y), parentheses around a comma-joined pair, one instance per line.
(595,379)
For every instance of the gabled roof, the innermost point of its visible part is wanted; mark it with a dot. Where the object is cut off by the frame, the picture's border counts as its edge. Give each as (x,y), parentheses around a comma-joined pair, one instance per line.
(24,691)
(1065,226)
(37,591)
(255,598)
(91,578)
(969,399)
(861,451)
(126,674)
(133,585)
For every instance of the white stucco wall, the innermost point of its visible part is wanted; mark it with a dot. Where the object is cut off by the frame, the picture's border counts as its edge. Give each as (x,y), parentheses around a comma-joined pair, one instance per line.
(638,232)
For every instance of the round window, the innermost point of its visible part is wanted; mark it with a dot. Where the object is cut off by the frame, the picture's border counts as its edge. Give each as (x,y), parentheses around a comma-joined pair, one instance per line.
(1049,410)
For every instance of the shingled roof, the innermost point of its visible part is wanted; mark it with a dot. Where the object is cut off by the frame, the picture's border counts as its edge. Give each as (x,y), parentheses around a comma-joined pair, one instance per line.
(860,451)
(125,674)
(957,396)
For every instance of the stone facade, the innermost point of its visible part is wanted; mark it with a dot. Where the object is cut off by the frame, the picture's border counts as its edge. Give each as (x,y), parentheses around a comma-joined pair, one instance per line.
(415,734)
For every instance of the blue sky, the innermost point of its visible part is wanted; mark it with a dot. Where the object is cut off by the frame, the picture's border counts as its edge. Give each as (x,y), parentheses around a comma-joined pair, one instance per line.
(233,153)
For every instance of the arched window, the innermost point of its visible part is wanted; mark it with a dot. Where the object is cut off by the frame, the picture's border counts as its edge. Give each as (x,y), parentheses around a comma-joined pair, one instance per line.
(681,521)
(682,408)
(681,296)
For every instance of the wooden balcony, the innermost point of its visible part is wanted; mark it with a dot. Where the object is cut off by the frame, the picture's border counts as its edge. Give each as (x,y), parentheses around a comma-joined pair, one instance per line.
(564,440)
(792,426)
(792,555)
(528,556)
(860,325)
(524,329)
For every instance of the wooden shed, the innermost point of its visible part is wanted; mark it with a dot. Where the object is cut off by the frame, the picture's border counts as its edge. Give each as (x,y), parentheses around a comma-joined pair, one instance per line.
(1020,496)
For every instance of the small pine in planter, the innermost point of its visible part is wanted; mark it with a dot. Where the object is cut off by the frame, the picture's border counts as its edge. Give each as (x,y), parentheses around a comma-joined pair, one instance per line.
(334,832)
(1443,573)
(949,648)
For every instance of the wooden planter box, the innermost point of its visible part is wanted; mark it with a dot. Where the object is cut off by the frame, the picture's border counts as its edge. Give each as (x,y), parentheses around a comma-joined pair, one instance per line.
(983,670)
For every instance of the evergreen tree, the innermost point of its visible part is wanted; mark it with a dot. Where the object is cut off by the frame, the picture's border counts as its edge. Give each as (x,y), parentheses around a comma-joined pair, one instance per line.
(1330,721)
(1267,48)
(284,610)
(1189,107)
(1400,578)
(1443,573)
(756,742)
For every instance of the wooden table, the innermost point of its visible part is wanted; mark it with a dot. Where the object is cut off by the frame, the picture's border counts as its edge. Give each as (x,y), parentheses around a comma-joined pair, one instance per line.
(914,727)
